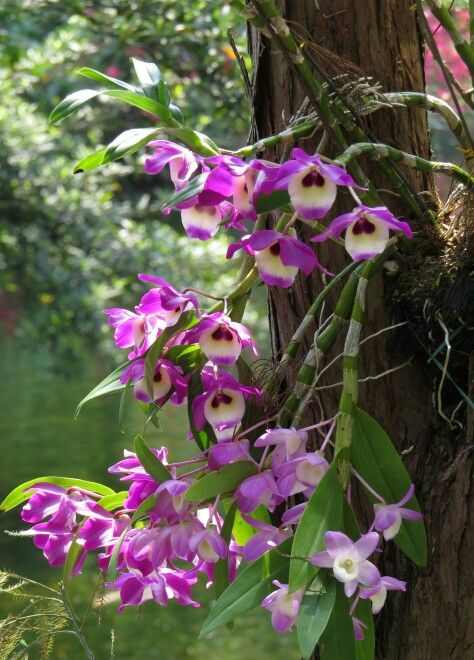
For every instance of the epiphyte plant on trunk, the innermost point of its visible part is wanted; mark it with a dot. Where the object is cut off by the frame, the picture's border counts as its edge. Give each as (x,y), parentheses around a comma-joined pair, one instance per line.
(263,509)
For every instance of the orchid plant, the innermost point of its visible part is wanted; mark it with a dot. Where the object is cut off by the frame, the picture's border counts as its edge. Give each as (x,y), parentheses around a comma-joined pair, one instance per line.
(263,509)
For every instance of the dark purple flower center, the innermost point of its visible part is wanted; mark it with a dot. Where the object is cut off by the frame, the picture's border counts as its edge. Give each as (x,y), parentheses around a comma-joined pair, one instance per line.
(222,333)
(275,249)
(313,178)
(363,226)
(157,377)
(220,397)
(201,208)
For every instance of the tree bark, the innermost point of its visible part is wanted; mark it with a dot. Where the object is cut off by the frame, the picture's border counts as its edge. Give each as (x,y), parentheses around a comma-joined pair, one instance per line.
(435,617)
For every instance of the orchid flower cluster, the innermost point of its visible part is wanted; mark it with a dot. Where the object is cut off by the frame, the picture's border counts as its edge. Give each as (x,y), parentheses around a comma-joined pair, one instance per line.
(229,195)
(170,527)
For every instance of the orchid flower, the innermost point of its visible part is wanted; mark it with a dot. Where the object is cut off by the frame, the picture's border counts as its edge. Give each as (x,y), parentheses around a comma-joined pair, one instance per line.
(311,183)
(278,256)
(284,606)
(220,338)
(348,560)
(182,162)
(166,377)
(222,403)
(367,230)
(388,517)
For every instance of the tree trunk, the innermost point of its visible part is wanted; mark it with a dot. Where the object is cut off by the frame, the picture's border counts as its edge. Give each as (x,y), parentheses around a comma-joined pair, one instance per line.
(435,617)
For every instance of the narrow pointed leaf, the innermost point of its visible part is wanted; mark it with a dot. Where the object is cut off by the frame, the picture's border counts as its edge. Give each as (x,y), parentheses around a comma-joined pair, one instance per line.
(276,200)
(223,481)
(70,562)
(152,465)
(17,495)
(90,162)
(205,437)
(316,607)
(114,83)
(322,513)
(376,459)
(115,501)
(111,383)
(337,641)
(193,188)
(151,80)
(250,587)
(71,103)
(221,567)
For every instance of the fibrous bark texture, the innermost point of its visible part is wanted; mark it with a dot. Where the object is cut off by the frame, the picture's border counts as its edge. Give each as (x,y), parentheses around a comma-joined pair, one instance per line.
(435,617)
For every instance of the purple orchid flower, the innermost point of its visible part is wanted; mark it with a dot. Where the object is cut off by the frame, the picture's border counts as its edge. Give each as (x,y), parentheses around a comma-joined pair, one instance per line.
(48,500)
(201,220)
(165,301)
(166,377)
(224,453)
(289,443)
(388,517)
(378,592)
(358,627)
(131,467)
(284,606)
(220,338)
(222,403)
(278,256)
(209,545)
(147,549)
(256,490)
(160,586)
(244,178)
(182,162)
(312,183)
(266,539)
(292,515)
(301,475)
(134,329)
(101,529)
(367,230)
(348,560)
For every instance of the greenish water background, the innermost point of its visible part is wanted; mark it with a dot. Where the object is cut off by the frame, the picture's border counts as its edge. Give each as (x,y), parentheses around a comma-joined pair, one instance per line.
(39,391)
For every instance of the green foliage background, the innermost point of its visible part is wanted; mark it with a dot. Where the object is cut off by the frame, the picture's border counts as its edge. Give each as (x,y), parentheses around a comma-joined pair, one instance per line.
(71,245)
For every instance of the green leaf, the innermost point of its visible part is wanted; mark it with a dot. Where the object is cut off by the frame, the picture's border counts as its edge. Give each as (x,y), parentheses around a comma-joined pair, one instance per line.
(151,81)
(276,200)
(142,102)
(115,501)
(110,384)
(322,513)
(17,496)
(106,80)
(249,588)
(242,531)
(378,462)
(189,358)
(337,640)
(205,437)
(74,101)
(71,561)
(223,481)
(71,103)
(152,465)
(186,321)
(141,511)
(194,187)
(221,567)
(89,162)
(316,607)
